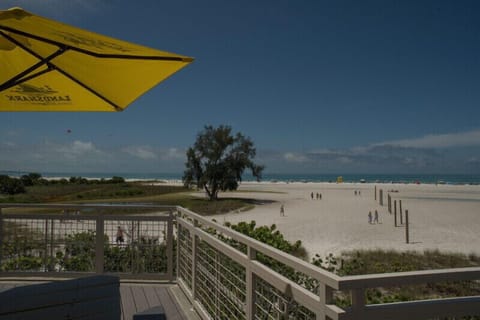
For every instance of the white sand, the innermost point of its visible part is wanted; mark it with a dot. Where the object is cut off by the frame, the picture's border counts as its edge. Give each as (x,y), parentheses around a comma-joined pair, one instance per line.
(441,217)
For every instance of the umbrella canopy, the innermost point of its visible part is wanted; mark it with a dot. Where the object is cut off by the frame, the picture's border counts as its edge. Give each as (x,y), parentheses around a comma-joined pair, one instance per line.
(50,66)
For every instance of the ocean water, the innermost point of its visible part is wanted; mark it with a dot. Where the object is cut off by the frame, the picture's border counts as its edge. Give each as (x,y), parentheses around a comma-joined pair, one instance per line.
(473,179)
(383,178)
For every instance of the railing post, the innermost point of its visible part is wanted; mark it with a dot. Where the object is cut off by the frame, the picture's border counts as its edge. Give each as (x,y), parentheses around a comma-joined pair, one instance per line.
(45,256)
(251,285)
(170,246)
(99,243)
(326,297)
(194,259)
(138,246)
(51,265)
(179,234)
(1,236)
(217,284)
(358,303)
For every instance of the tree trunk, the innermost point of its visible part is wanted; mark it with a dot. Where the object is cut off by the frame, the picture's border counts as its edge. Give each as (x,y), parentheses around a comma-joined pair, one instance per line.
(208,193)
(213,194)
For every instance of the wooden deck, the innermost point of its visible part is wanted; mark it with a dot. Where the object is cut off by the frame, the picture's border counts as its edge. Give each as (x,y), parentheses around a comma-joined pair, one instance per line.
(137,297)
(140,297)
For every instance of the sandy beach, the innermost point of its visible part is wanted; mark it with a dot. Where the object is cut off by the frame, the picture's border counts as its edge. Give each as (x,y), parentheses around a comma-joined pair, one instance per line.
(444,217)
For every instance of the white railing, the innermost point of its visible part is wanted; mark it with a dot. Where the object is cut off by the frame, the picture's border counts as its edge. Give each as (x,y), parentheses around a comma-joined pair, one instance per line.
(226,274)
(224,282)
(64,240)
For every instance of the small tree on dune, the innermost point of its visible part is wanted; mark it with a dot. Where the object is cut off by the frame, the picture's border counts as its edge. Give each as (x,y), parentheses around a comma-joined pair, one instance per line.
(218,159)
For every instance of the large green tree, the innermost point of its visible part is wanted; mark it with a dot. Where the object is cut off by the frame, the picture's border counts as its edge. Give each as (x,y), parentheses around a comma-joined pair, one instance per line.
(218,159)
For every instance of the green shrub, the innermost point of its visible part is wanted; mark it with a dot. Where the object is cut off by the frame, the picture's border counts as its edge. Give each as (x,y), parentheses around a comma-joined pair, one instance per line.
(23,263)
(11,186)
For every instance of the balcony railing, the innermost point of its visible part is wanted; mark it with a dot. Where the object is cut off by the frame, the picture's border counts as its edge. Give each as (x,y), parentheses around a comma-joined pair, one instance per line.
(225,274)
(64,240)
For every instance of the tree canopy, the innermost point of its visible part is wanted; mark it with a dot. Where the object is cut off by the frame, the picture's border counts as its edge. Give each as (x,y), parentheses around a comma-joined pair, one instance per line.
(11,186)
(217,160)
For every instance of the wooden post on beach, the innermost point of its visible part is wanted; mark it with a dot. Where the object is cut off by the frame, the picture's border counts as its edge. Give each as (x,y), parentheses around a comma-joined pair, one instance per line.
(380,195)
(389,203)
(407,235)
(395,212)
(401,213)
(375,193)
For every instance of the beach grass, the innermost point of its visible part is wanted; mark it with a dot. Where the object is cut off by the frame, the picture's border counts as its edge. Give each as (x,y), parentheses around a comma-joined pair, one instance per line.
(128,192)
(80,192)
(362,262)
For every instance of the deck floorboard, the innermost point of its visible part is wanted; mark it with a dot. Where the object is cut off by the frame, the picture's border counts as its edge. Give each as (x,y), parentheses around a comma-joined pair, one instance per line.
(140,297)
(135,298)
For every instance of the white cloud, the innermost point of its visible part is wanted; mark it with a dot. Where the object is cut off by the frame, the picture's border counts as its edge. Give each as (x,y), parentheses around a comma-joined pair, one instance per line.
(12,133)
(360,150)
(79,147)
(462,139)
(86,156)
(173,154)
(141,152)
(9,144)
(54,156)
(325,152)
(430,152)
(37,156)
(345,160)
(473,161)
(149,153)
(295,157)
(77,150)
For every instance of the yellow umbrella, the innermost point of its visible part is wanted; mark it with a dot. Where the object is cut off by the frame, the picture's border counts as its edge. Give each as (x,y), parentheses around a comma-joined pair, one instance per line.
(50,66)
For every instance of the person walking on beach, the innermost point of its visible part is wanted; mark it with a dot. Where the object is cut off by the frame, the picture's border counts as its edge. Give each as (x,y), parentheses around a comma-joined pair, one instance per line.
(370,217)
(119,238)
(375,220)
(311,195)
(282,211)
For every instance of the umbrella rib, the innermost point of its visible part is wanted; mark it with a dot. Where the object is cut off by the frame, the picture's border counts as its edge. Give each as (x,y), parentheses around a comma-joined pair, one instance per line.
(130,56)
(19,78)
(90,53)
(25,79)
(33,53)
(66,74)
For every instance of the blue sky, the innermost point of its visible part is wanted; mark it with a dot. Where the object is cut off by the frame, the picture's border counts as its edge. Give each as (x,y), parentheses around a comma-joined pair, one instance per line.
(320,86)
